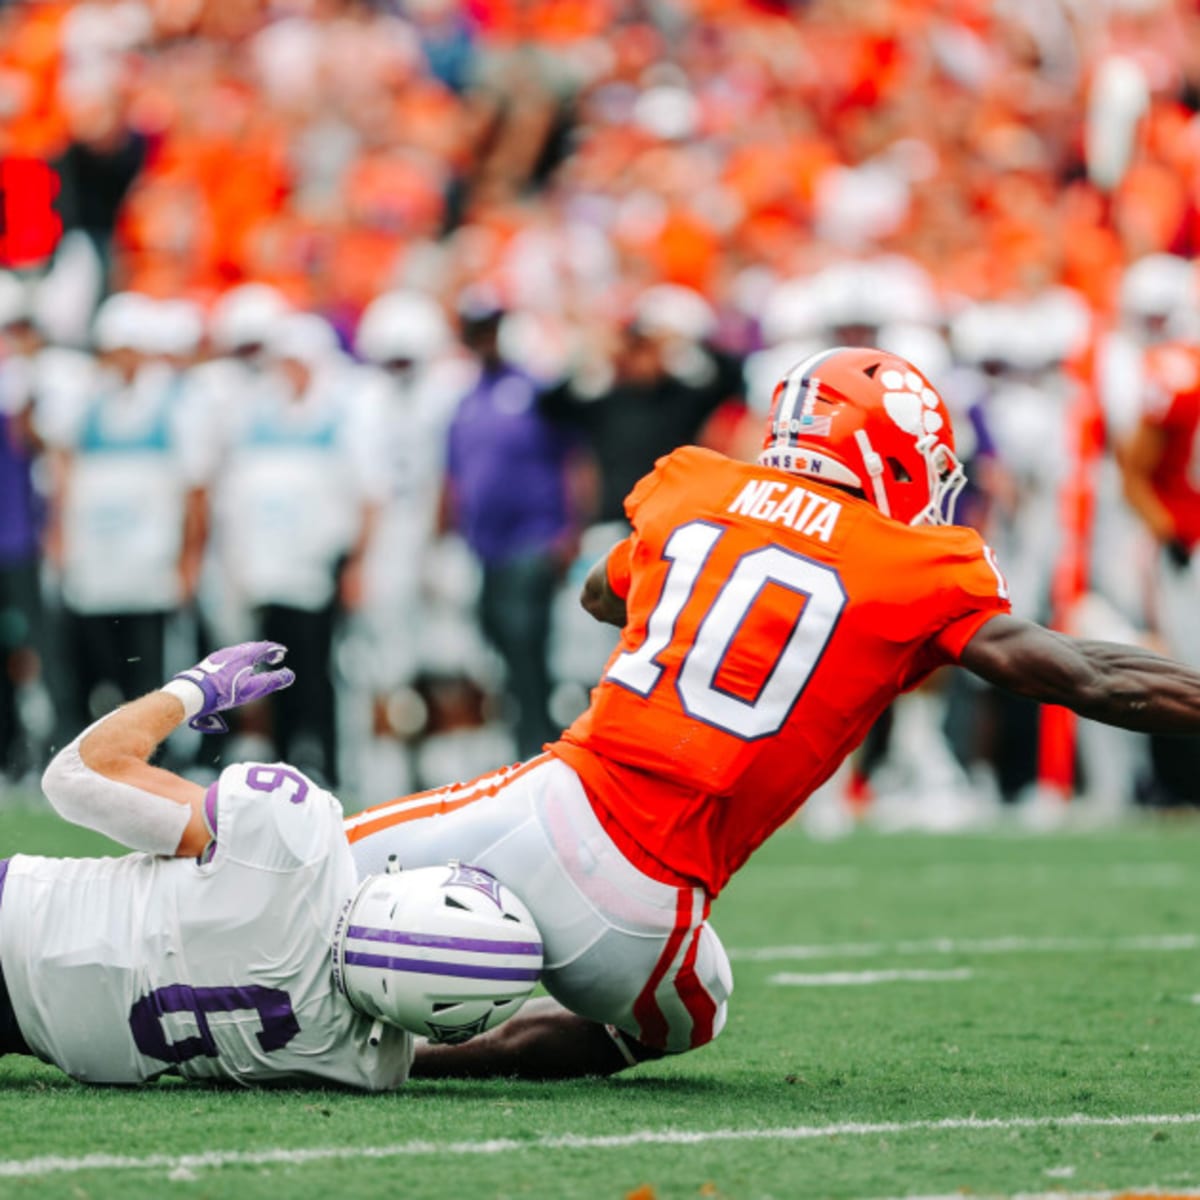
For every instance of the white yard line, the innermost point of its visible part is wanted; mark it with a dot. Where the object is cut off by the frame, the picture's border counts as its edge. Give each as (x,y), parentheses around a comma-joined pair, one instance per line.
(1140,1193)
(183,1166)
(863,978)
(1150,943)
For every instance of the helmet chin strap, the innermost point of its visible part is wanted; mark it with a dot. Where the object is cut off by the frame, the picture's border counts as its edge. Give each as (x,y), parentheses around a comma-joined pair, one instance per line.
(874,465)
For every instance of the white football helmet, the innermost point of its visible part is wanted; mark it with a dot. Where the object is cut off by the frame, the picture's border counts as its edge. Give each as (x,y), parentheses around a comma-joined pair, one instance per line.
(245,316)
(446,952)
(123,322)
(402,326)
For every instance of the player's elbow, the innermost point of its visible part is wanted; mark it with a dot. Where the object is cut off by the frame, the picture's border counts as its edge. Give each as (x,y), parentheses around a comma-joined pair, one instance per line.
(591,597)
(68,780)
(59,782)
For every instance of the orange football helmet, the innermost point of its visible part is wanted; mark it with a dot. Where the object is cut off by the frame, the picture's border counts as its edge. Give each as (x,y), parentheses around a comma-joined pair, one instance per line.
(869,420)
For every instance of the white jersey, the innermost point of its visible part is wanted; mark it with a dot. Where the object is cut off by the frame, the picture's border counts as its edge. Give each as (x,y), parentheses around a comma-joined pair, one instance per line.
(289,498)
(124,969)
(123,507)
(411,418)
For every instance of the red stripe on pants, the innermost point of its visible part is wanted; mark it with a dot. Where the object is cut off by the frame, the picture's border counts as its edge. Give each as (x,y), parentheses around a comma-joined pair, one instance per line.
(652,1025)
(700,1005)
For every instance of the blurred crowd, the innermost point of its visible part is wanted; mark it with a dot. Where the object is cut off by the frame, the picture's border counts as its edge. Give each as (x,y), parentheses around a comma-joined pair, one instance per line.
(366,316)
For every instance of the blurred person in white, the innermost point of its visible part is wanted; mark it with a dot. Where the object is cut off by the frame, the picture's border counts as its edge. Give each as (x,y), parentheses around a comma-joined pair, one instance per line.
(297,488)
(1161,470)
(1156,295)
(239,945)
(128,500)
(413,382)
(1007,378)
(232,362)
(1014,360)
(1131,594)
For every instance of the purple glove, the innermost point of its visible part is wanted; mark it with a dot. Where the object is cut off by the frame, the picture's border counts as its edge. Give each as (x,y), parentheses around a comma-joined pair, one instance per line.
(227,678)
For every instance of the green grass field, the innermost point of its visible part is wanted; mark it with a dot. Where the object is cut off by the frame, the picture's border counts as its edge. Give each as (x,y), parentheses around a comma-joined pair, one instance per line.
(992,1015)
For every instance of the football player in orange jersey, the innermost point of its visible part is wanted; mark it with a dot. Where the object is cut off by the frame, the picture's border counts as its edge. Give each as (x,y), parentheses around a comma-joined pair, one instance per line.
(1162,463)
(769,612)
(1161,474)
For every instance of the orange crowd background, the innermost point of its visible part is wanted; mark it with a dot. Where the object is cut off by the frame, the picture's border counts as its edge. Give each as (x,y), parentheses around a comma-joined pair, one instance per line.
(319,145)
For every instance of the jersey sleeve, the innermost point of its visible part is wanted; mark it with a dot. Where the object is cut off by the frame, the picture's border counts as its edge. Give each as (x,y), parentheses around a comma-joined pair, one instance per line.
(269,815)
(974,592)
(645,486)
(620,567)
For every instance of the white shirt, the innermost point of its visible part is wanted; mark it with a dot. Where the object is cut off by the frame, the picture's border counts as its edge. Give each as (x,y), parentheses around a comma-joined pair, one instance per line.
(123,508)
(289,499)
(124,969)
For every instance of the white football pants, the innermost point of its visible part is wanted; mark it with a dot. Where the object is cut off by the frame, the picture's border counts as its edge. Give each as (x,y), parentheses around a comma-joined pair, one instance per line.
(620,948)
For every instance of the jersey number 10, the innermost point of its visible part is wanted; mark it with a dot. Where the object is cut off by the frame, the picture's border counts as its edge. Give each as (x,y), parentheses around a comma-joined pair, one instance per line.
(688,550)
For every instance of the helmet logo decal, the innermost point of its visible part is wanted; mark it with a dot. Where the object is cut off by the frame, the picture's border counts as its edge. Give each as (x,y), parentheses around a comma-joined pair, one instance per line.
(911,403)
(473,877)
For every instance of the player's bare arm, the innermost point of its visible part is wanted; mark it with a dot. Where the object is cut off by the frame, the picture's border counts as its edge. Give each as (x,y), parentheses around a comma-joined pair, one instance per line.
(543,1041)
(104,781)
(1105,681)
(598,597)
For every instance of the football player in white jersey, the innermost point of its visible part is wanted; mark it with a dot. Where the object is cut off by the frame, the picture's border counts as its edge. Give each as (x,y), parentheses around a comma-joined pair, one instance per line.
(239,946)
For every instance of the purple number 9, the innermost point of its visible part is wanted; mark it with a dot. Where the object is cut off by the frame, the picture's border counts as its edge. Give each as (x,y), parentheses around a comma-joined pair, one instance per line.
(273,779)
(274,1008)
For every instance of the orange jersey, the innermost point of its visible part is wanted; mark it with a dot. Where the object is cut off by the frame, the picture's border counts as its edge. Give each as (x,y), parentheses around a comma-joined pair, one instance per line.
(1173,406)
(771,619)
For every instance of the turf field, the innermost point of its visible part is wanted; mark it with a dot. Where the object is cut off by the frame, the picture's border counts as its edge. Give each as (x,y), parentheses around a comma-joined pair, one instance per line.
(991,1015)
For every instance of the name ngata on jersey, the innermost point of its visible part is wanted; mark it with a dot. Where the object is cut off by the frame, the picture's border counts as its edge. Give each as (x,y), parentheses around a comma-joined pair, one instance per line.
(806,512)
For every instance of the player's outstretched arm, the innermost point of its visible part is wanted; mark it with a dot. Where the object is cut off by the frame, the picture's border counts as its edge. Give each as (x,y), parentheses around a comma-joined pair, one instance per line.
(104,781)
(598,597)
(1106,681)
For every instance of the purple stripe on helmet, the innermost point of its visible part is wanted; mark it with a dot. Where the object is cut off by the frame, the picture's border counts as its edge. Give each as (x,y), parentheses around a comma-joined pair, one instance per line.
(3,872)
(441,941)
(462,970)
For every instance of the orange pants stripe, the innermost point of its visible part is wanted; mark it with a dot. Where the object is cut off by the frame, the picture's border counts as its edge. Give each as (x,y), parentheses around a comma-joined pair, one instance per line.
(435,801)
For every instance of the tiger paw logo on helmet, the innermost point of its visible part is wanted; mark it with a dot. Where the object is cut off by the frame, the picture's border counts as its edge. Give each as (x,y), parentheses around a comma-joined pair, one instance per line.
(912,403)
(871,421)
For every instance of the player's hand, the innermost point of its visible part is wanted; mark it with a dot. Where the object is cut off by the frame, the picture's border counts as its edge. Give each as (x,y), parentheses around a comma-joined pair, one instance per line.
(230,677)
